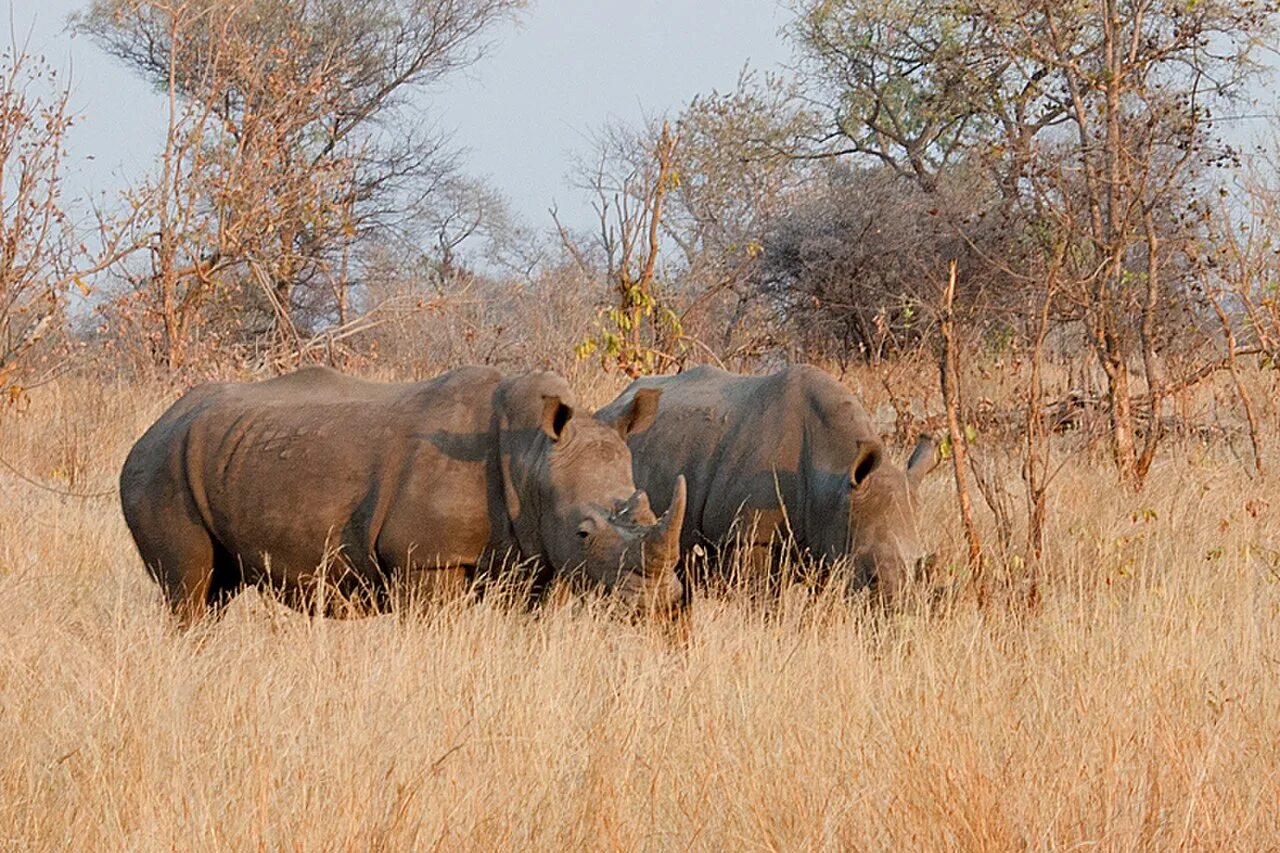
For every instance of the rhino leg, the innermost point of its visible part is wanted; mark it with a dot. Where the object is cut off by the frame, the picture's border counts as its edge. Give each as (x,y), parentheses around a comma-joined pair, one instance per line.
(194,573)
(419,590)
(756,570)
(181,561)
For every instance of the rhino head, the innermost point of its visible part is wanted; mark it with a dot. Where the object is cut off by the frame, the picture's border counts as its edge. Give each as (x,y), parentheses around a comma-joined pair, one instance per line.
(884,543)
(576,503)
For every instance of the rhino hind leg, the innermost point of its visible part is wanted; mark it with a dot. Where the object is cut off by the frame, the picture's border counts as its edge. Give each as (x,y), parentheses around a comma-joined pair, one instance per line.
(227,579)
(182,563)
(194,572)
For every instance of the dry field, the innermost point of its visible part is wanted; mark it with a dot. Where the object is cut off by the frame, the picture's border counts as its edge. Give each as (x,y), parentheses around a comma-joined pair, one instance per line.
(1140,708)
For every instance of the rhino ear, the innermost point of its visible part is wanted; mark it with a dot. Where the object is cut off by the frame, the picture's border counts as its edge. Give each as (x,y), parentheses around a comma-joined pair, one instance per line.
(923,459)
(868,460)
(640,414)
(555,416)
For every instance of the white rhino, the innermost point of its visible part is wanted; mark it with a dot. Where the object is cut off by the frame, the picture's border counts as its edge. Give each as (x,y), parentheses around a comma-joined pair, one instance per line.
(398,488)
(791,456)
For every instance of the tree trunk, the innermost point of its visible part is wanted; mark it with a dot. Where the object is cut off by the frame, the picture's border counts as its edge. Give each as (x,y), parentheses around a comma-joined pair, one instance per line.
(1123,445)
(950,377)
(169,307)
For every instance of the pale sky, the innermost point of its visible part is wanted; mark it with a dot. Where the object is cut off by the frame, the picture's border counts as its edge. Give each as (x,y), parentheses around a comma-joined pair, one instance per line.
(523,112)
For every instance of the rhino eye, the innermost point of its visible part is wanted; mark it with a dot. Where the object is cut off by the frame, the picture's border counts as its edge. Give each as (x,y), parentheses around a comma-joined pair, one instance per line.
(583,533)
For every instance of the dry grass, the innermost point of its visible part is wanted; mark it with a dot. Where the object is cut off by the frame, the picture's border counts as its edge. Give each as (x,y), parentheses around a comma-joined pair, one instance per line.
(1138,709)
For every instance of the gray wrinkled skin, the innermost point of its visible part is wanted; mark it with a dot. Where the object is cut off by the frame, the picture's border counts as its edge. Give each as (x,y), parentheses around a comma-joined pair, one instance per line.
(787,457)
(393,488)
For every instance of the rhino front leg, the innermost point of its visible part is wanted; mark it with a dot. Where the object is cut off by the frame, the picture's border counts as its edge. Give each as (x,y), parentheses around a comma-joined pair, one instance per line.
(756,570)
(420,590)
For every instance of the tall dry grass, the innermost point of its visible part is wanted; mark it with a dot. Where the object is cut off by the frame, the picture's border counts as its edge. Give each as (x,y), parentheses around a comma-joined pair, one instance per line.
(1139,709)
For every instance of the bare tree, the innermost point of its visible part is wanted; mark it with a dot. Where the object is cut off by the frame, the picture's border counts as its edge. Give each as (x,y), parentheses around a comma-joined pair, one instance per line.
(1094,124)
(851,259)
(639,331)
(1241,255)
(736,173)
(1239,271)
(293,146)
(714,174)
(33,244)
(238,216)
(1136,83)
(43,253)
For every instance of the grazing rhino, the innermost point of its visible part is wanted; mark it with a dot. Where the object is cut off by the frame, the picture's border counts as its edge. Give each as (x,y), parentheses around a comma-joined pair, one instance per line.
(394,488)
(791,456)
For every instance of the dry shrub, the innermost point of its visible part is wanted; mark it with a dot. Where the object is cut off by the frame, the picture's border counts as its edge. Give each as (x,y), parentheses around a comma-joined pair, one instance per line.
(1138,708)
(474,320)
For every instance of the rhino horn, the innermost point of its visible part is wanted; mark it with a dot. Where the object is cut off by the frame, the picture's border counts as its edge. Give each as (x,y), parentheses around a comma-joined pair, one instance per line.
(662,542)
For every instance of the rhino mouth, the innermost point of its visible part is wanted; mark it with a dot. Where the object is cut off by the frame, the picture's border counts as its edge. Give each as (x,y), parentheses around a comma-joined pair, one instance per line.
(651,581)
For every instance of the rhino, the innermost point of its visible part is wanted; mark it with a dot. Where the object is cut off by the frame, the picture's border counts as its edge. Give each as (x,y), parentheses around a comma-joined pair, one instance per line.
(380,492)
(791,457)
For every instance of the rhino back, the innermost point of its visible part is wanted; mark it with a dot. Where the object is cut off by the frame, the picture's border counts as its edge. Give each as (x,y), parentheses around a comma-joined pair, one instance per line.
(743,442)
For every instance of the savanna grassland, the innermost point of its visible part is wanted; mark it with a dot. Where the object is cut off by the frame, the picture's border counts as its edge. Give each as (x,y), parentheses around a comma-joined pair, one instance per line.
(1137,708)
